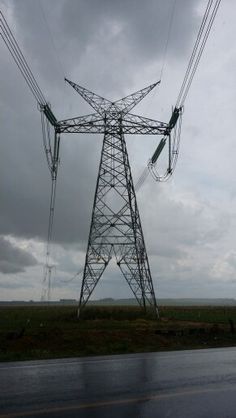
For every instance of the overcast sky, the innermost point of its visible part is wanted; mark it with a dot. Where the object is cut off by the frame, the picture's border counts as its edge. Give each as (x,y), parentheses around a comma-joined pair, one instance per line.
(115,48)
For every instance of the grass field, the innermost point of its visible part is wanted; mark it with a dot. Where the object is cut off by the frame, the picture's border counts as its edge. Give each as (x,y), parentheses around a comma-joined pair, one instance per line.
(39,332)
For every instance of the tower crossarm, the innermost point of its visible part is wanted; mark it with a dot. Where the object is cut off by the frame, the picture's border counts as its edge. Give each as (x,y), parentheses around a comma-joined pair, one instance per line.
(92,123)
(126,104)
(102,105)
(97,102)
(139,125)
(95,124)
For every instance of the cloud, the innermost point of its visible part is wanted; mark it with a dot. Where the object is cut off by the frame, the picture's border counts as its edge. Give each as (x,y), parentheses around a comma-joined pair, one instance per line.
(14,259)
(225,267)
(115,48)
(124,32)
(181,222)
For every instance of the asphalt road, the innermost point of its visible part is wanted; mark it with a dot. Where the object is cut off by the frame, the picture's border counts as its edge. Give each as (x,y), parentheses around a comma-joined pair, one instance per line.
(200,383)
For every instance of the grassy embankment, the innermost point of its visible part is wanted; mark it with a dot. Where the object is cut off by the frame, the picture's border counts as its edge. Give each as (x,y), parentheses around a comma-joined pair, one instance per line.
(35,332)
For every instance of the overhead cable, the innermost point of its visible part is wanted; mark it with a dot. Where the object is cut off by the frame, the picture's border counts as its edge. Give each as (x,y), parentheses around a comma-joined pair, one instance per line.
(46,140)
(174,143)
(47,118)
(20,60)
(198,49)
(172,10)
(74,277)
(47,267)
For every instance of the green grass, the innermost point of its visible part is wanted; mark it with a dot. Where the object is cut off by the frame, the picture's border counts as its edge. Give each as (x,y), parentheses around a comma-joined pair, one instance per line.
(54,331)
(208,314)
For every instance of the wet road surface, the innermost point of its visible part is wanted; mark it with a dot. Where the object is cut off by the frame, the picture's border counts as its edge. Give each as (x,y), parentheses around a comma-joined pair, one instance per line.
(199,383)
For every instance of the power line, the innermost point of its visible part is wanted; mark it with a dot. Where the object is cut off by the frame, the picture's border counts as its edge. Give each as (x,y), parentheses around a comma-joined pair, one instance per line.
(195,49)
(52,152)
(52,40)
(48,267)
(20,60)
(199,46)
(47,115)
(198,49)
(172,11)
(74,277)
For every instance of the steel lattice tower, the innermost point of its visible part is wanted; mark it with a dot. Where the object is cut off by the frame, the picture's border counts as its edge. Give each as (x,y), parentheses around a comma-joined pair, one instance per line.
(115,226)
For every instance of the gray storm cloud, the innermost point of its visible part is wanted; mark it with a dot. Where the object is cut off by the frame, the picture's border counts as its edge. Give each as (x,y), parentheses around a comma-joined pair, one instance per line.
(14,259)
(132,33)
(115,48)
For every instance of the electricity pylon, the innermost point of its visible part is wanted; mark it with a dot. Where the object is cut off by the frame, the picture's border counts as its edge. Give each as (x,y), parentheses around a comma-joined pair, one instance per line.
(115,226)
(113,119)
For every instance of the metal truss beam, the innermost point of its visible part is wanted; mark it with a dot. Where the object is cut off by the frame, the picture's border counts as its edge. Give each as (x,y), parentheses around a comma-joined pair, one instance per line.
(94,124)
(126,104)
(102,105)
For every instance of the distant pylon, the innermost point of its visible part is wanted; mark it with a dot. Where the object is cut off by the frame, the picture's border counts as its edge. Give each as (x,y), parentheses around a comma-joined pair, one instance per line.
(47,283)
(115,226)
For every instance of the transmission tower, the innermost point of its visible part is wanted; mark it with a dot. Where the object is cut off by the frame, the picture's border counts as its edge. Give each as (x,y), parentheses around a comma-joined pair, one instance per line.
(115,225)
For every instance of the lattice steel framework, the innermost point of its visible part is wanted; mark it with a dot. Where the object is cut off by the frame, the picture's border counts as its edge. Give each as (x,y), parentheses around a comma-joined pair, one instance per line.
(115,226)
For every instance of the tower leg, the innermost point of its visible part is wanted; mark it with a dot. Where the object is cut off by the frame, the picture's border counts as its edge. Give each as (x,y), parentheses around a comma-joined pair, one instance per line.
(116,226)
(93,270)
